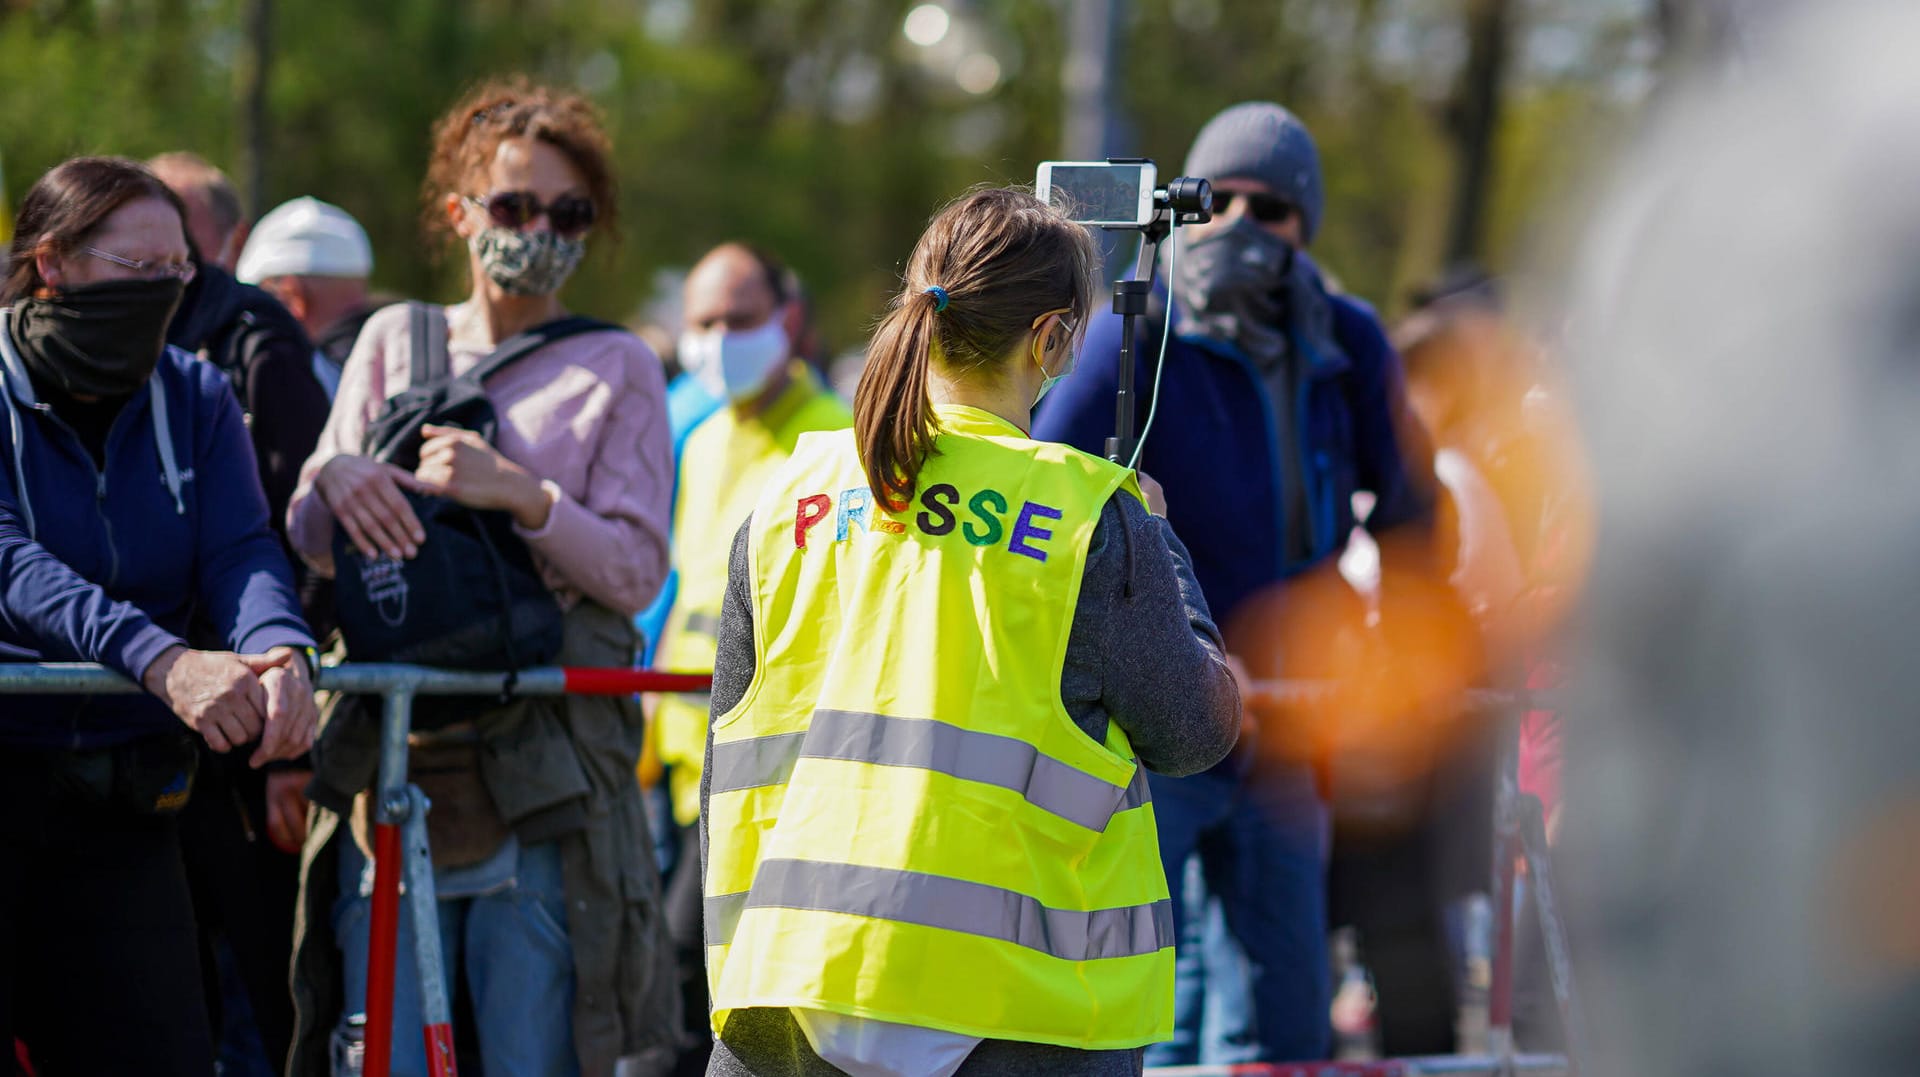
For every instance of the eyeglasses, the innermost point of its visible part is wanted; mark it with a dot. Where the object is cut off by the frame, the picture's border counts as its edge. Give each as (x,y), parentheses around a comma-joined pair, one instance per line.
(568,215)
(1265,208)
(149,269)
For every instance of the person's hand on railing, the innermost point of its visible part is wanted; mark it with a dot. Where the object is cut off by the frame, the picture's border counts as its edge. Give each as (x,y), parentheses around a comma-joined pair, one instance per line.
(290,715)
(459,464)
(364,496)
(217,694)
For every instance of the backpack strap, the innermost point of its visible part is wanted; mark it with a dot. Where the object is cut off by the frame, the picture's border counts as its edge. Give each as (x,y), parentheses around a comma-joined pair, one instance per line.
(521,345)
(427,327)
(227,351)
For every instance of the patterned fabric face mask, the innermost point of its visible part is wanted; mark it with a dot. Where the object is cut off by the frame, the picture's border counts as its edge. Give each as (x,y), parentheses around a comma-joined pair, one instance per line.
(527,263)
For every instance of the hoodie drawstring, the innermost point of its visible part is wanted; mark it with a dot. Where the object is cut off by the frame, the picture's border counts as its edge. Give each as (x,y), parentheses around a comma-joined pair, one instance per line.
(163,441)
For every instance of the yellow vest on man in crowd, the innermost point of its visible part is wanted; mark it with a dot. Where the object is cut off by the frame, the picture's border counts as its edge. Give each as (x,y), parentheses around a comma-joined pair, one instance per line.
(725,462)
(904,823)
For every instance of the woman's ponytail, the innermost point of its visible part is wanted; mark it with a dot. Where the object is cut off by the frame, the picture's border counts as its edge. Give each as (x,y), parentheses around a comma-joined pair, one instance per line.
(892,412)
(987,266)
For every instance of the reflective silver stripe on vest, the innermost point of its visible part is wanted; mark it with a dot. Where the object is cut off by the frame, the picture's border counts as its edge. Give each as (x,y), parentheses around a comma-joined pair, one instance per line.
(723,915)
(750,764)
(989,758)
(1138,792)
(704,622)
(913,897)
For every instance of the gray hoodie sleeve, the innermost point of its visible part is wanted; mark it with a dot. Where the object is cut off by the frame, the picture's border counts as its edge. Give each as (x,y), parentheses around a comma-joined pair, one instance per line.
(1144,650)
(733,663)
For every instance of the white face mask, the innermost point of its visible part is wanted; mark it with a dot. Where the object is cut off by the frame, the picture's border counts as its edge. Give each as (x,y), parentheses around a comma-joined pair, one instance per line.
(734,364)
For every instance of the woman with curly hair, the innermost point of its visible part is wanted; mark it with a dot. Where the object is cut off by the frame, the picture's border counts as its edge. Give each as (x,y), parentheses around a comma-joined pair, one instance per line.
(543,865)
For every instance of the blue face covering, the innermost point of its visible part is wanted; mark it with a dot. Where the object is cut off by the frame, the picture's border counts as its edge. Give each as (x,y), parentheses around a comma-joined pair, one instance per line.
(1047,386)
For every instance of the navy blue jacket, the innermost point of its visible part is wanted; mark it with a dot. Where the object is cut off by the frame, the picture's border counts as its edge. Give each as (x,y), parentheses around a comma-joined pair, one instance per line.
(1214,444)
(112,569)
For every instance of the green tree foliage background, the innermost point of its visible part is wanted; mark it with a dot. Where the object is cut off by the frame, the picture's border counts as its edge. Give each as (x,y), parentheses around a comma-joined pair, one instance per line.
(815,127)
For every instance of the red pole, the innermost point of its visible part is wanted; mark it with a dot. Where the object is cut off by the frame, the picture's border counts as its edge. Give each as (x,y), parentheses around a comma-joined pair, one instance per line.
(440,1061)
(583,681)
(383,941)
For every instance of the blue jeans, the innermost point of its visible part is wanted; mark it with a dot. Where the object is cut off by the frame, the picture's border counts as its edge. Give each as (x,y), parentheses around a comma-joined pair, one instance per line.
(512,944)
(1251,982)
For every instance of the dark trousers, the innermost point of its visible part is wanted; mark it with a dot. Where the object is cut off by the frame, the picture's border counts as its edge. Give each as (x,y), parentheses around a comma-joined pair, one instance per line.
(1386,888)
(685,909)
(1260,831)
(244,890)
(1536,1009)
(1402,853)
(99,971)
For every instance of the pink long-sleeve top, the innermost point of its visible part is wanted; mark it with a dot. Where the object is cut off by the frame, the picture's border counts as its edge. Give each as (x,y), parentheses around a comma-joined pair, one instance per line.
(587,414)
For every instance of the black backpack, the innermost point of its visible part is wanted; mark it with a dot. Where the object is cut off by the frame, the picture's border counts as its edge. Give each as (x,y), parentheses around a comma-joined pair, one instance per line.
(472,598)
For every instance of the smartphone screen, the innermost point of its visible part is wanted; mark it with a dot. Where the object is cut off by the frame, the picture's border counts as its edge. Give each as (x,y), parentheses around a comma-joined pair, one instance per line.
(1099,193)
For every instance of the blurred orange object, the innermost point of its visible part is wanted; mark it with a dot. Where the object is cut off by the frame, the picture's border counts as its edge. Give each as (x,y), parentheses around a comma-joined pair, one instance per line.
(1872,919)
(1516,524)
(1375,683)
(1380,687)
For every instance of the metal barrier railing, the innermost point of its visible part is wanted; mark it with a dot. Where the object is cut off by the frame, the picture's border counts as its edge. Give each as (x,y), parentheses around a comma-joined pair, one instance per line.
(400,848)
(400,809)
(377,678)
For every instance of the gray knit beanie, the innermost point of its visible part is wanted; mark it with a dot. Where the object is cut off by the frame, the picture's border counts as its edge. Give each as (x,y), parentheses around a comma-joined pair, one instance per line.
(1260,140)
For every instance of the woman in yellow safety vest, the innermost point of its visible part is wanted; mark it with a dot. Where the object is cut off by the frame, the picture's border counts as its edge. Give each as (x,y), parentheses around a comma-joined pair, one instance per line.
(946,652)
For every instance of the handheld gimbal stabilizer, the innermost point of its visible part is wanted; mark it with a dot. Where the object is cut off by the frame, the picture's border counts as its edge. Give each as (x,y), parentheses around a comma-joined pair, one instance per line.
(1186,200)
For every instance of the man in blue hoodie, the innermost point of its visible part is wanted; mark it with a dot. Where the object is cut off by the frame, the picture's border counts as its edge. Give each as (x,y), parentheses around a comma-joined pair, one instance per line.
(1278,401)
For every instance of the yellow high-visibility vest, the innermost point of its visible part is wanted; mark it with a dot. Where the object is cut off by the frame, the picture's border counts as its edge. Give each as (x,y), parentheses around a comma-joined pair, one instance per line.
(904,823)
(725,462)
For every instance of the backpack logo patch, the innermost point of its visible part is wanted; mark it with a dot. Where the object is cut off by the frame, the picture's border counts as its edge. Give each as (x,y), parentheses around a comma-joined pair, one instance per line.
(385,581)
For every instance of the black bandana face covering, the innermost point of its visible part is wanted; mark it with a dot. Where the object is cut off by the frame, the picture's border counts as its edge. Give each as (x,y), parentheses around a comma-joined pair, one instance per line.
(1231,285)
(97,339)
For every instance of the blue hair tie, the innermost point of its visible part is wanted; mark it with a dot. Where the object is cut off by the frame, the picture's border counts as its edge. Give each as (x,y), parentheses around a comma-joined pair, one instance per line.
(940,298)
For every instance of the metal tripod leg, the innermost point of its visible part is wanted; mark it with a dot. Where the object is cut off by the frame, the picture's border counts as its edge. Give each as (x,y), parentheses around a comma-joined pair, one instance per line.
(1507,851)
(400,850)
(390,806)
(406,818)
(436,1014)
(1519,830)
(1533,834)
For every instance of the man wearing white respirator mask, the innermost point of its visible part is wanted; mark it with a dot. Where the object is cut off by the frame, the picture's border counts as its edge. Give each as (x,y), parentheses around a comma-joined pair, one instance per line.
(740,311)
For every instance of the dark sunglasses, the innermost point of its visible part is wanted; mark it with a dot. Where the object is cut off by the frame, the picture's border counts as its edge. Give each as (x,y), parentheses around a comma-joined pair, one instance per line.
(568,215)
(1265,208)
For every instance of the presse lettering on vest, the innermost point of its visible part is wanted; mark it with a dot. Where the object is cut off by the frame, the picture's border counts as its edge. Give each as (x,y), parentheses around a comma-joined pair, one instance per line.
(939,515)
